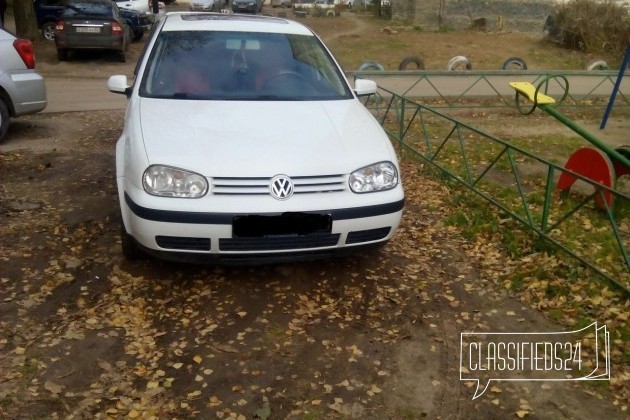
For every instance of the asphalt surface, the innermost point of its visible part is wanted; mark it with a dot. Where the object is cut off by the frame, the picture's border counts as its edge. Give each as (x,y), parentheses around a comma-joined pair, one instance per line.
(81,94)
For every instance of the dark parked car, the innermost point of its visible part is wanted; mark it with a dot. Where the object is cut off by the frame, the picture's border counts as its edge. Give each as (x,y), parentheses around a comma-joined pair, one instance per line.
(48,13)
(138,22)
(247,6)
(92,25)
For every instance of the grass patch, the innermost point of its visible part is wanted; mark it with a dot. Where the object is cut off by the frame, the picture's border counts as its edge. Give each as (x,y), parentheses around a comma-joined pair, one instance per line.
(510,175)
(349,34)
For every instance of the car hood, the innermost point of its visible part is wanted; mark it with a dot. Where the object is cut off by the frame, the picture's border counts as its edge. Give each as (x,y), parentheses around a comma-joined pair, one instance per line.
(130,13)
(260,138)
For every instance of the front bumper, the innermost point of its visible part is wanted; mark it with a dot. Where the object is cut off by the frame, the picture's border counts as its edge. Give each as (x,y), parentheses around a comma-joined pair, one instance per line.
(200,236)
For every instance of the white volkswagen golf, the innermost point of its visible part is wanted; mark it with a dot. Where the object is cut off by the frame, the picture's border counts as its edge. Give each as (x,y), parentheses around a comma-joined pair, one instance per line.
(243,141)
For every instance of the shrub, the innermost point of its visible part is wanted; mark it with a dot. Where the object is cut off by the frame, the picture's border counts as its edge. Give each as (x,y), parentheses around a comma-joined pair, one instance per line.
(589,25)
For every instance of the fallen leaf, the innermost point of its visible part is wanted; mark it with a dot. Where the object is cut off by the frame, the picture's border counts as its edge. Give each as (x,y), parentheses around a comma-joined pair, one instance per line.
(53,388)
(193,394)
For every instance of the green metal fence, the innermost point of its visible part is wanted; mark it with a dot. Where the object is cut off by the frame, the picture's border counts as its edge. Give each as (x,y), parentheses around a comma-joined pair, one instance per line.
(456,89)
(519,183)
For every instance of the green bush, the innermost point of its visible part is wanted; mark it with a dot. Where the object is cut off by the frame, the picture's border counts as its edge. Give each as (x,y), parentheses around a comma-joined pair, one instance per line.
(589,25)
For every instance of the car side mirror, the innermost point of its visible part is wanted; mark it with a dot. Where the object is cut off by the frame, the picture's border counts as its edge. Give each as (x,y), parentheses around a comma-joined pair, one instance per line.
(119,84)
(364,87)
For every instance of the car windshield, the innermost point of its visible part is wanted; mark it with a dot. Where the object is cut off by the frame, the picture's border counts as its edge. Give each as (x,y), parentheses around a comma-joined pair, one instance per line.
(87,9)
(241,66)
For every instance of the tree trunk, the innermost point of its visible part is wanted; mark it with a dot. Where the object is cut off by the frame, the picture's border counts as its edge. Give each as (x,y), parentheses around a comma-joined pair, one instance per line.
(25,19)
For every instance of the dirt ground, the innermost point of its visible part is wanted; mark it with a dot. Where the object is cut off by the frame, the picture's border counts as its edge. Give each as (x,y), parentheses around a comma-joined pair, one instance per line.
(86,334)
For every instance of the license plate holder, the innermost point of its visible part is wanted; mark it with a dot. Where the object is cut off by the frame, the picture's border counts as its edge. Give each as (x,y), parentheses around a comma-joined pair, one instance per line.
(87,30)
(284,225)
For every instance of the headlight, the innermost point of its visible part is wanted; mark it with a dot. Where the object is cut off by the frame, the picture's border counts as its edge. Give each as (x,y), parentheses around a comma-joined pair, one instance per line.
(378,177)
(172,182)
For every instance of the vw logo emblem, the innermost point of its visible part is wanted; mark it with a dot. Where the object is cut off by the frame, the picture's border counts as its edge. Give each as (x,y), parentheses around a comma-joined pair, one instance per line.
(281,187)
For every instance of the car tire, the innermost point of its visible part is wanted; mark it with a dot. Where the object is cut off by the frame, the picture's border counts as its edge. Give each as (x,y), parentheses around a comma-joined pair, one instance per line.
(514,61)
(62,54)
(371,65)
(48,31)
(4,119)
(456,62)
(129,247)
(412,59)
(597,65)
(137,36)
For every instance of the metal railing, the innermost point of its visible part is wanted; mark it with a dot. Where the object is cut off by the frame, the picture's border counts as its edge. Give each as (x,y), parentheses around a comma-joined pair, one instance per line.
(516,181)
(455,89)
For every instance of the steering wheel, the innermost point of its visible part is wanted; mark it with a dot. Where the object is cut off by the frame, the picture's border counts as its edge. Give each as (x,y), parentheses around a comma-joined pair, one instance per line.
(284,76)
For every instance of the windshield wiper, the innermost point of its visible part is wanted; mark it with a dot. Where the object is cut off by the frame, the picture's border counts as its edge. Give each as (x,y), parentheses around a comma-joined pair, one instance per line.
(196,96)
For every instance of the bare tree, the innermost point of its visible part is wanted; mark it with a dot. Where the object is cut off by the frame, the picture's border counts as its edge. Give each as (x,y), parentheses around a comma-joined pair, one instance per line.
(25,19)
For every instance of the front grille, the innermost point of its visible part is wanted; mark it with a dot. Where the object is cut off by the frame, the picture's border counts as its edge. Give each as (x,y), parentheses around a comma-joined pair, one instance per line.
(260,186)
(279,243)
(367,235)
(181,243)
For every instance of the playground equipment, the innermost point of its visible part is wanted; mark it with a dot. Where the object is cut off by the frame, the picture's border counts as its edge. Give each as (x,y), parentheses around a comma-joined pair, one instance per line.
(601,163)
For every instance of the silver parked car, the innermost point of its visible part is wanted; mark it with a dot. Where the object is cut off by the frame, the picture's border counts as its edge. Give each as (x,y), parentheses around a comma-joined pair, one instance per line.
(206,5)
(22,89)
(280,3)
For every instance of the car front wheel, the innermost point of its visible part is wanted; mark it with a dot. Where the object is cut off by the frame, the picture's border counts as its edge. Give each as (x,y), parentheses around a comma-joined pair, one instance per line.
(129,248)
(137,36)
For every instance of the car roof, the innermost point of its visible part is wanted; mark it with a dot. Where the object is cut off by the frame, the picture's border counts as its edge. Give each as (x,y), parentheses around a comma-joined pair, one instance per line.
(192,21)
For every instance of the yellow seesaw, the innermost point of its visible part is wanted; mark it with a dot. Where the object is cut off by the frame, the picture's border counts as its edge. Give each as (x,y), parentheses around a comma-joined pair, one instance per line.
(601,164)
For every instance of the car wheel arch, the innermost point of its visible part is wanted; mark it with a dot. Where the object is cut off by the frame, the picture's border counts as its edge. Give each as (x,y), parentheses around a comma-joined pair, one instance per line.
(4,97)
(4,119)
(44,29)
(130,249)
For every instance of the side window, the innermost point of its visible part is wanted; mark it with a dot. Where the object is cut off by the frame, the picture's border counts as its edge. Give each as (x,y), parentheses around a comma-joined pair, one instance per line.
(309,51)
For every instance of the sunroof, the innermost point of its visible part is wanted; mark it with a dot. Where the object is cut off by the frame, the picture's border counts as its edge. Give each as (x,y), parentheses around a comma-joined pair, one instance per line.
(232,17)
